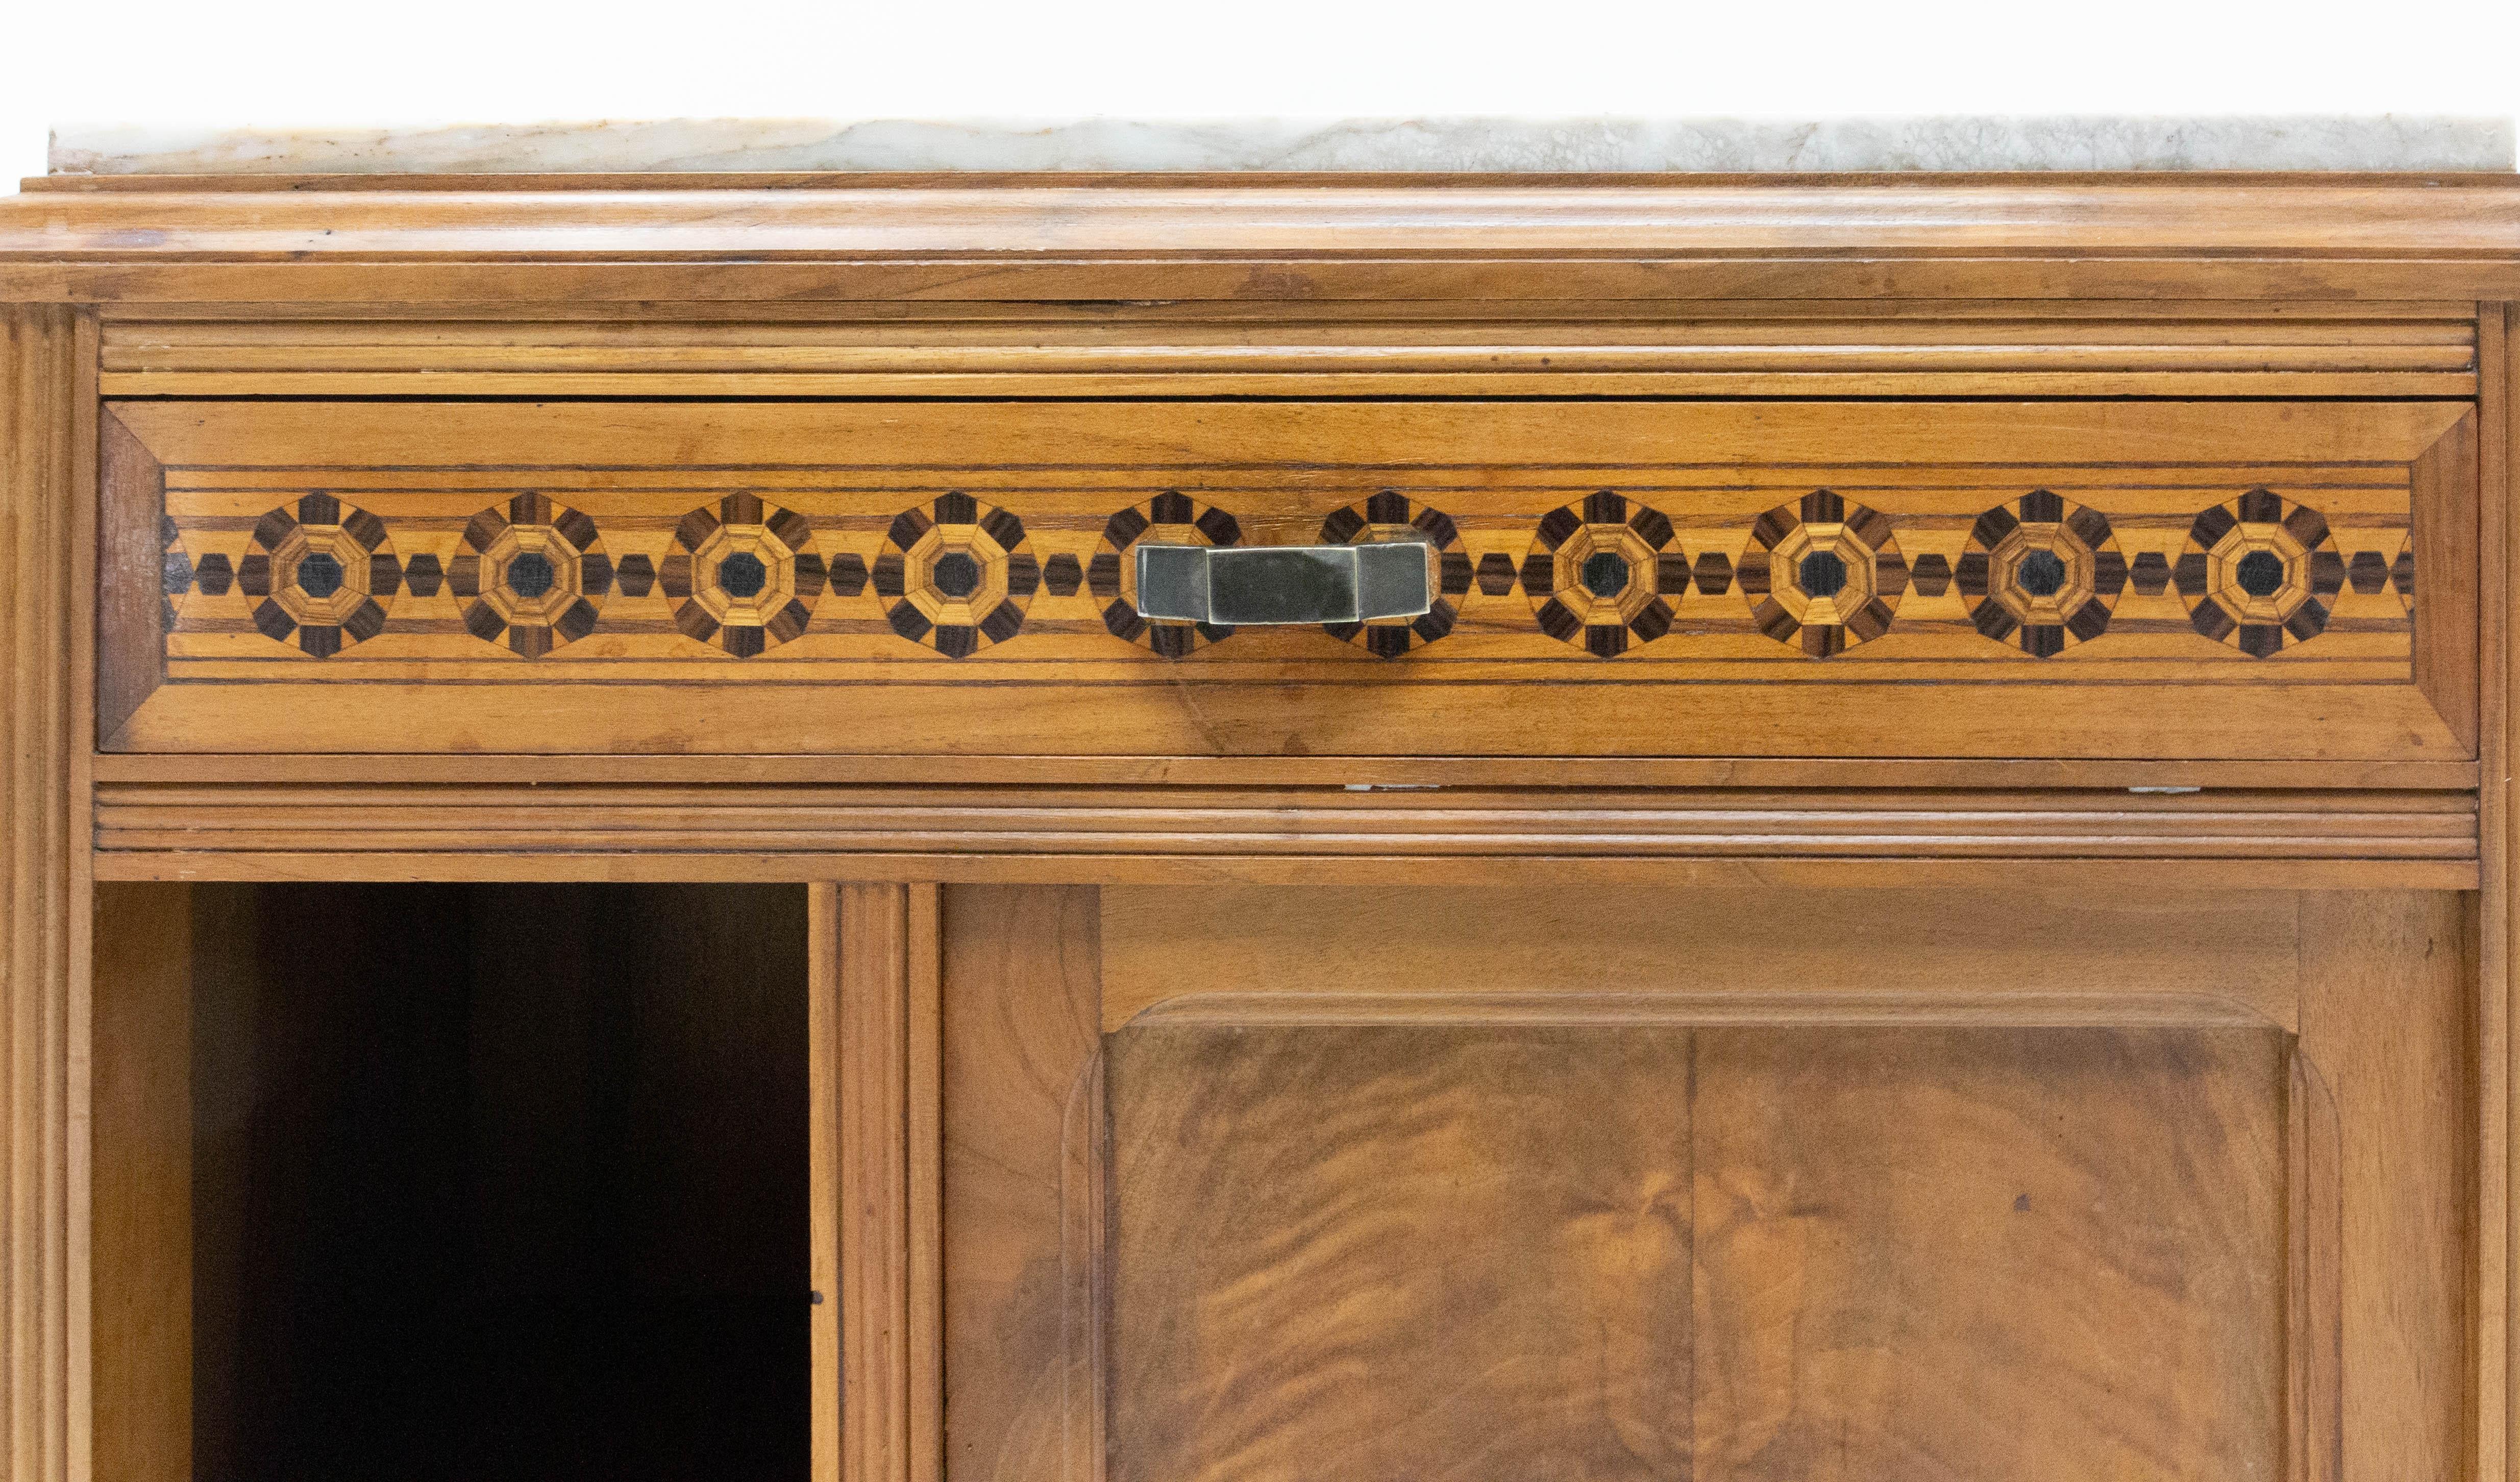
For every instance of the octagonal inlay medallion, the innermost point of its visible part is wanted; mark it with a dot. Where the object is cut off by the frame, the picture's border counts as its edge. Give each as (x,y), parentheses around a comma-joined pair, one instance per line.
(744,576)
(1601,574)
(322,574)
(1824,572)
(956,576)
(531,573)
(2041,573)
(2260,572)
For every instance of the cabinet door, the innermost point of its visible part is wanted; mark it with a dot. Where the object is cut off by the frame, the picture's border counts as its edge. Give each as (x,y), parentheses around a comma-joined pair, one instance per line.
(1251,1183)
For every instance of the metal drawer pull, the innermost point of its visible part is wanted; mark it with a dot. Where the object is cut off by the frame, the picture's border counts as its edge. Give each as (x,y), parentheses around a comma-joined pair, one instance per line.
(1248,586)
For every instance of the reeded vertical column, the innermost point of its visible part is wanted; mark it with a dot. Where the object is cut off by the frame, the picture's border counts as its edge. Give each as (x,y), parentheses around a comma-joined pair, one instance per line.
(879,1369)
(42,412)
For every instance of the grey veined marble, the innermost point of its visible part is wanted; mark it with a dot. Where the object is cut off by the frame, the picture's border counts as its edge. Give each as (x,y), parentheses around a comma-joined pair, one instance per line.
(2397,142)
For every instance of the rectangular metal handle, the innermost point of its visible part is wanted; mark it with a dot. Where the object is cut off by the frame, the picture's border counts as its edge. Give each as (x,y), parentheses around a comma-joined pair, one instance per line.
(1251,586)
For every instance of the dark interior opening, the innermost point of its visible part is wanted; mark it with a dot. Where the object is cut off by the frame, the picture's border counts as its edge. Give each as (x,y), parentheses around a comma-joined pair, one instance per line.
(498,1182)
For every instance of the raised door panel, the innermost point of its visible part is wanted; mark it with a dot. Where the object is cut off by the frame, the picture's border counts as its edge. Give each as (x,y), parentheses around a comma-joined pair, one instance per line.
(1999,1252)
(2237,581)
(1752,1185)
(1651,1250)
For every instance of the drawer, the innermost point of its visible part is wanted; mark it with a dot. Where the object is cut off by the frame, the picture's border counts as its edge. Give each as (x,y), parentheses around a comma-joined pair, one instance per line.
(2101,579)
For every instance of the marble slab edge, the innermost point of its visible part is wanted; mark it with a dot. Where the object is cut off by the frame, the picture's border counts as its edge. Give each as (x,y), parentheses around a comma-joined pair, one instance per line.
(2388,143)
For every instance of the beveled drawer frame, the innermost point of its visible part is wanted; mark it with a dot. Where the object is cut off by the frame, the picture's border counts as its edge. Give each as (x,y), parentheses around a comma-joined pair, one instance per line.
(2236,287)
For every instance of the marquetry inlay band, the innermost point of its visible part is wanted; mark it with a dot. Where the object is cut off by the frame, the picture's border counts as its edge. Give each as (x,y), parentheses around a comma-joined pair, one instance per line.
(1608,574)
(1824,572)
(1597,571)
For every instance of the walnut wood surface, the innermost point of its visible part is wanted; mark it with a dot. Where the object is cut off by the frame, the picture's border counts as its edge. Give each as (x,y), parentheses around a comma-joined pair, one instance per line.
(1713,643)
(2296,238)
(47,433)
(2383,998)
(130,574)
(1128,1140)
(1857,1334)
(141,830)
(142,1192)
(1721,348)
(1020,1036)
(882,1172)
(1847,1186)
(1779,1252)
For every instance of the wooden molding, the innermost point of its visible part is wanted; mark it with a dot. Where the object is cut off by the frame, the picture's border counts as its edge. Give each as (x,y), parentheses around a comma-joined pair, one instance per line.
(823,1178)
(1172,349)
(1356,774)
(130,576)
(2281,238)
(2489,912)
(249,831)
(2316,1383)
(1671,873)
(542,819)
(1700,1007)
(2445,480)
(878,1163)
(43,415)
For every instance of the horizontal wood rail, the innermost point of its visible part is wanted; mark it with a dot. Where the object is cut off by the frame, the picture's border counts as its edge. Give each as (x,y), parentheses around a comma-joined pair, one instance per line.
(1488,349)
(156,830)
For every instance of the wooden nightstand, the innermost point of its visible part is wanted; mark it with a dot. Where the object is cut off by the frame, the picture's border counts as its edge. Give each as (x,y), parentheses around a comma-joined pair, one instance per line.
(609,874)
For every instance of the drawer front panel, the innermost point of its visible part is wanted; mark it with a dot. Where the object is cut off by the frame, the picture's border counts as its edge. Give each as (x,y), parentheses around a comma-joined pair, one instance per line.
(2255,581)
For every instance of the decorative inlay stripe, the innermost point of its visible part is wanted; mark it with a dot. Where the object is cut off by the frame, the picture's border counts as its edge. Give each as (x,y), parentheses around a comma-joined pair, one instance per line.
(2039,573)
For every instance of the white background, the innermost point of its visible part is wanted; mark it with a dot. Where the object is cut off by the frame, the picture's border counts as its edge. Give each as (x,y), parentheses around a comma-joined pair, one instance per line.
(347,61)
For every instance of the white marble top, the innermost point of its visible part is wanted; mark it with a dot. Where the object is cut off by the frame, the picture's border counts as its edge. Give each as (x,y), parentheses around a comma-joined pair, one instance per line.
(2392,142)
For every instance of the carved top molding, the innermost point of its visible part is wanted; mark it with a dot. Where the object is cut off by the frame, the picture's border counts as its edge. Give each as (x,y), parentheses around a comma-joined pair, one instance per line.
(1265,238)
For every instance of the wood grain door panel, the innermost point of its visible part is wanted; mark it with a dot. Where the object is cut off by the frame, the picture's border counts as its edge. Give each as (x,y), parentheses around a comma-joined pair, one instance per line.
(2234,580)
(1261,1182)
(1648,1251)
(1991,1253)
